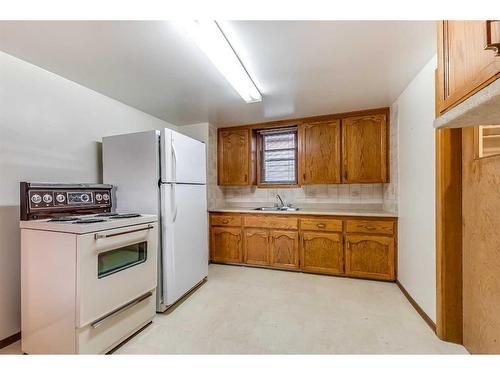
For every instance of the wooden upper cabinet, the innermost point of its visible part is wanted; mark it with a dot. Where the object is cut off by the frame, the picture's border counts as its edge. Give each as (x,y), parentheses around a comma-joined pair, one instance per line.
(464,65)
(234,163)
(319,152)
(365,149)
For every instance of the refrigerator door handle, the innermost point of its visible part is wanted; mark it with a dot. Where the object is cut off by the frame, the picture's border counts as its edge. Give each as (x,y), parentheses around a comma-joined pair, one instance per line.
(174,214)
(174,161)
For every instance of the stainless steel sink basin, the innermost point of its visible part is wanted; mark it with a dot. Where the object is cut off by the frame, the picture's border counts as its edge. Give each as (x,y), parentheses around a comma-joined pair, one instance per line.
(276,209)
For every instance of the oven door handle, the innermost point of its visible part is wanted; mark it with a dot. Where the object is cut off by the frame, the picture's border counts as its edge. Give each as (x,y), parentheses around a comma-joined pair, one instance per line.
(119,310)
(100,236)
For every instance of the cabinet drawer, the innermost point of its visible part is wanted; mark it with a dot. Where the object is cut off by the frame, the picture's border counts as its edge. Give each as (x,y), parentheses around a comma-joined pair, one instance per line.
(370,226)
(226,220)
(330,225)
(275,222)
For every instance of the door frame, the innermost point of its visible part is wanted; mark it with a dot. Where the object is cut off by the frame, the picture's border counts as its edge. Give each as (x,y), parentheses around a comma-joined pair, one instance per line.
(449,308)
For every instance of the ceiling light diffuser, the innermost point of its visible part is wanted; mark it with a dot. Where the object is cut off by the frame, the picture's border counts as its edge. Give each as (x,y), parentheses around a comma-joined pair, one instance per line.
(210,38)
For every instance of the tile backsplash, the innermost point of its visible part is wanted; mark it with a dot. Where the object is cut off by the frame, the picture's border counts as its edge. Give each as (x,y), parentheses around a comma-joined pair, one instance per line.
(308,194)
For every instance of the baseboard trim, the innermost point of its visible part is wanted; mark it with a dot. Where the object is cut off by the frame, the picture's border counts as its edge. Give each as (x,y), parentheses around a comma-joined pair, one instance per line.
(415,305)
(10,340)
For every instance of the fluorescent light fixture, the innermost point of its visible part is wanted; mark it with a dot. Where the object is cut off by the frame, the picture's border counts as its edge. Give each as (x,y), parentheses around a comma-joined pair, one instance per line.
(212,41)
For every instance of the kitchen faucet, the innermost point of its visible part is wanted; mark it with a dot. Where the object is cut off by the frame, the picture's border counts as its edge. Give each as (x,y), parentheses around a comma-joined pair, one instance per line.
(281,201)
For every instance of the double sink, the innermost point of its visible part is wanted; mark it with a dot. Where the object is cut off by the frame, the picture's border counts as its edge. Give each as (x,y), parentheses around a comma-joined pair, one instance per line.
(275,208)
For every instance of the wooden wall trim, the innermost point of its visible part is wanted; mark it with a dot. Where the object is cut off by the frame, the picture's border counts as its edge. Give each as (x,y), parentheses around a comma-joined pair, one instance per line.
(417,307)
(449,314)
(10,340)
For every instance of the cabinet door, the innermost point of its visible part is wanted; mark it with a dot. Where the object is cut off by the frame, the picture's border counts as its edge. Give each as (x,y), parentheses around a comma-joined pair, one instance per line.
(256,246)
(234,157)
(322,252)
(284,249)
(370,256)
(226,245)
(365,152)
(464,66)
(319,152)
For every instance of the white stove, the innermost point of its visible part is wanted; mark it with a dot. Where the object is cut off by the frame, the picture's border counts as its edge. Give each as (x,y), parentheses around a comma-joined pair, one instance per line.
(88,275)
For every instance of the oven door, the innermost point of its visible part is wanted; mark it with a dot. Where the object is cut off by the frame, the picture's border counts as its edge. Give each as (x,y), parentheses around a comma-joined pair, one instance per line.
(115,268)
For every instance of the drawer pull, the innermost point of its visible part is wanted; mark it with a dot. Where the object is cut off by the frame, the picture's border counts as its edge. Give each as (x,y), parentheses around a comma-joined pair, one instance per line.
(369,227)
(119,310)
(100,236)
(321,225)
(225,221)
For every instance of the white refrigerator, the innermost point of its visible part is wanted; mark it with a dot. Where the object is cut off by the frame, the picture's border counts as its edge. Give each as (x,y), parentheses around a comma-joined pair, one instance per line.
(164,173)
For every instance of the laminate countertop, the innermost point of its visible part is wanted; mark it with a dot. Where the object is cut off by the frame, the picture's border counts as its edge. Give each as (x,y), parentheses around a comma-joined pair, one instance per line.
(344,211)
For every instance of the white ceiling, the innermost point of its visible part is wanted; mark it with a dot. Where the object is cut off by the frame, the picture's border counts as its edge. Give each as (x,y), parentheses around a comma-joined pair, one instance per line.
(302,68)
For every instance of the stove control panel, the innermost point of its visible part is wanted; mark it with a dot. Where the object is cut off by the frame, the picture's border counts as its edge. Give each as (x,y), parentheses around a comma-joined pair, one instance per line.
(45,200)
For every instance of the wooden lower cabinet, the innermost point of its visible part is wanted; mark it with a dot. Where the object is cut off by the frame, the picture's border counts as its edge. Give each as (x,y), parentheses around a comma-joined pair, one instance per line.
(256,246)
(361,247)
(284,249)
(322,252)
(226,245)
(370,256)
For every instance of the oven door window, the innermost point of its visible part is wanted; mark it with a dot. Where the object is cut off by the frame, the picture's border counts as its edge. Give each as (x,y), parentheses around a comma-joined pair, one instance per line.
(116,260)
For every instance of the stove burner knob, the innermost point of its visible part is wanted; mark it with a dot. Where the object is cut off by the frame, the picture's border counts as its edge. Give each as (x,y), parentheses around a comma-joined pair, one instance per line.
(98,197)
(47,198)
(35,198)
(106,197)
(85,198)
(60,198)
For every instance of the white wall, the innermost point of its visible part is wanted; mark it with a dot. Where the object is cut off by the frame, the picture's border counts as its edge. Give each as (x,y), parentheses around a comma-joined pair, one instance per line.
(50,130)
(414,110)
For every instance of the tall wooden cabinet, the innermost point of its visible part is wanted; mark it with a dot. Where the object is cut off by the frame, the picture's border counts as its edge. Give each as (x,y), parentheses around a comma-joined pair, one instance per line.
(364,149)
(319,152)
(234,164)
(467,59)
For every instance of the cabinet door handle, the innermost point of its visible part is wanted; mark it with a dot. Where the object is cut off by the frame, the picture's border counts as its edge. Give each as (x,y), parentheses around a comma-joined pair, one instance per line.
(489,44)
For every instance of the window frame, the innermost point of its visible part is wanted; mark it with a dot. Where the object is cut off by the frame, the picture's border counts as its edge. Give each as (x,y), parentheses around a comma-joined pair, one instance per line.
(260,151)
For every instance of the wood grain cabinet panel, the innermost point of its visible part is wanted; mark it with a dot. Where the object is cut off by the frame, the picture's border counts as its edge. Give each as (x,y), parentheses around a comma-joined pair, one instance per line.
(226,220)
(226,245)
(370,256)
(322,252)
(329,225)
(284,249)
(271,221)
(365,149)
(319,152)
(370,226)
(256,246)
(464,65)
(234,157)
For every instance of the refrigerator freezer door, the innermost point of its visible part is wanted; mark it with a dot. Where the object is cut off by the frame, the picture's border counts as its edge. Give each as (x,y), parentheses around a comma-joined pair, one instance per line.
(184,239)
(183,159)
(131,163)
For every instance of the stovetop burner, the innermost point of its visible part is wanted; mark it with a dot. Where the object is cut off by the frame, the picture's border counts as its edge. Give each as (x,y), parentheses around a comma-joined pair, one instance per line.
(107,214)
(64,218)
(124,216)
(88,221)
